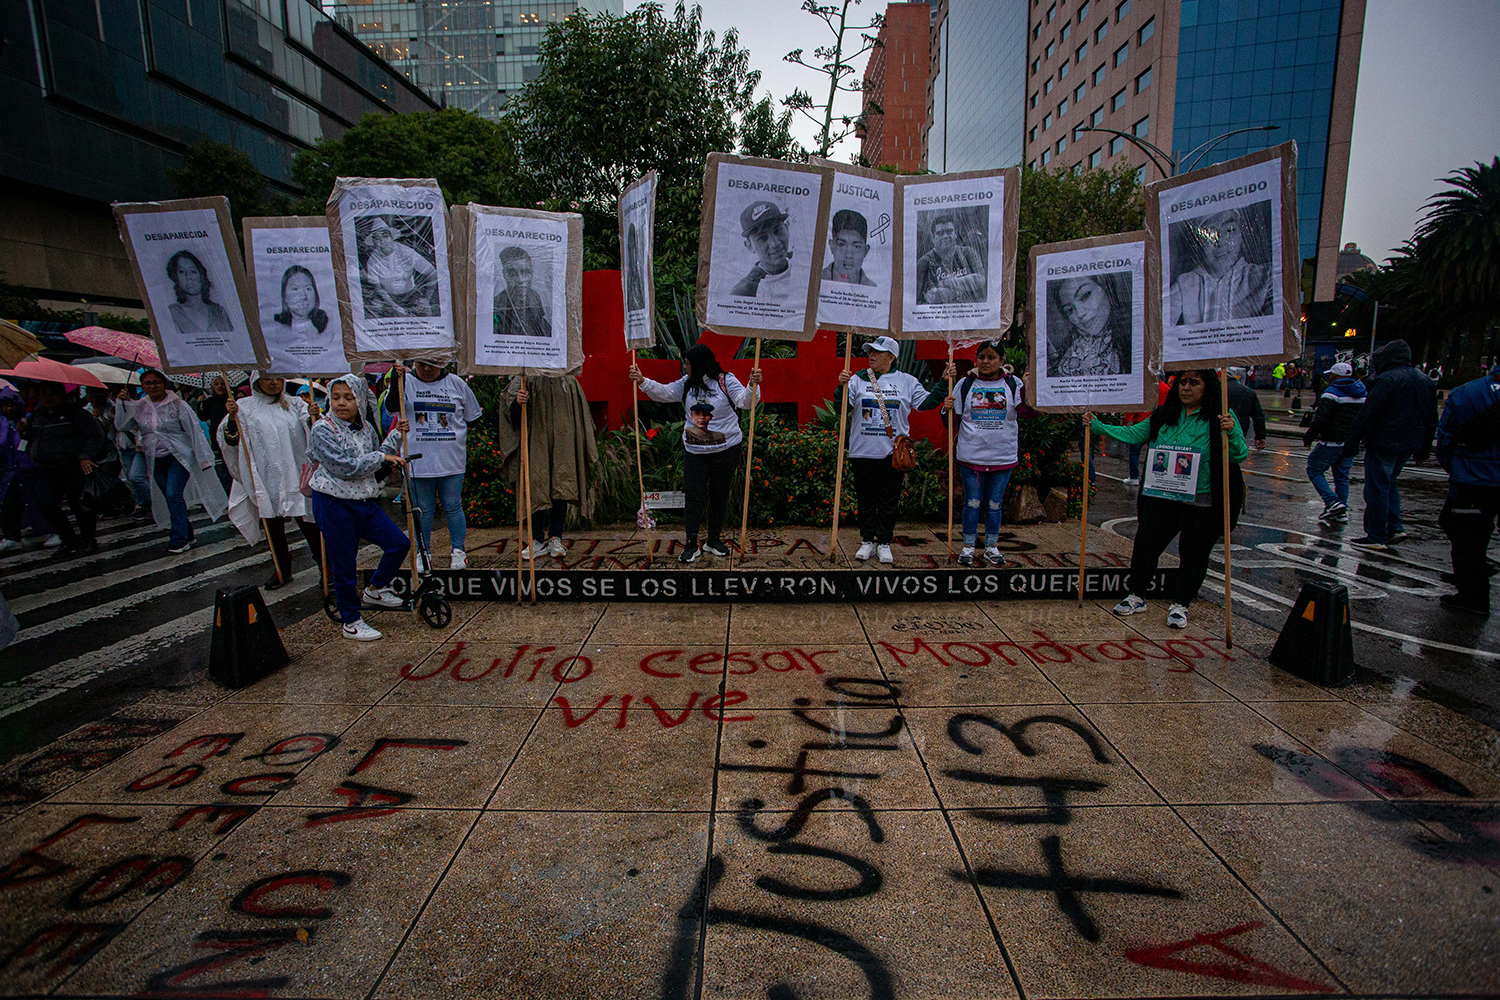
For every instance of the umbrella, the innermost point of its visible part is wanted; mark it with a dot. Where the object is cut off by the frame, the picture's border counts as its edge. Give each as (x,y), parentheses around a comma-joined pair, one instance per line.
(47,370)
(204,380)
(16,344)
(129,346)
(109,374)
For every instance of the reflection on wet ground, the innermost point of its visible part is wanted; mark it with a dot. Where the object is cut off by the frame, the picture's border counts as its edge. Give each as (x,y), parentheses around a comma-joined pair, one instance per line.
(963,800)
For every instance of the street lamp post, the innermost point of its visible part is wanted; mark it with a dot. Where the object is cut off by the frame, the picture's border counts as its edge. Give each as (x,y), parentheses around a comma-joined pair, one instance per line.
(1196,154)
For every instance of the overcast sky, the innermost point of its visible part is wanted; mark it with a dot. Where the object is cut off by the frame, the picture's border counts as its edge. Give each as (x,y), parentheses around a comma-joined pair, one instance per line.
(1427,105)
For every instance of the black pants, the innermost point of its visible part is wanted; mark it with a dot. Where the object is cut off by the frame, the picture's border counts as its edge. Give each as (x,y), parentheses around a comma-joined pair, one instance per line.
(877,492)
(707,477)
(22,490)
(1160,522)
(276,536)
(549,523)
(1468,519)
(53,486)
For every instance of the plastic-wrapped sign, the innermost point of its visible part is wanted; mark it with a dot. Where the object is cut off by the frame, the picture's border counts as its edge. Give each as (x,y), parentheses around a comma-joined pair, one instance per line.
(187,266)
(389,239)
(765,223)
(290,269)
(637,261)
(1090,346)
(1223,242)
(855,293)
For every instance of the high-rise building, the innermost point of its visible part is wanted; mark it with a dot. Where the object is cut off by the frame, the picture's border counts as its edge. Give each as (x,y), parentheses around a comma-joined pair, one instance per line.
(471,54)
(976,85)
(1180,74)
(896,80)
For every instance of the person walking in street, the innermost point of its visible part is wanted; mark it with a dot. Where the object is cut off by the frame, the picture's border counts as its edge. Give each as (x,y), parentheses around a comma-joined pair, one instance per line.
(1279,374)
(348,450)
(1245,405)
(67,444)
(272,425)
(1332,419)
(1173,504)
(181,459)
(1395,425)
(211,409)
(561,448)
(128,446)
(18,472)
(711,439)
(987,404)
(882,400)
(1468,446)
(440,406)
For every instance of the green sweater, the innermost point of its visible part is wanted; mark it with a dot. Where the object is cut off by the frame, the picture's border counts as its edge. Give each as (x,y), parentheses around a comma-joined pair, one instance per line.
(1192,432)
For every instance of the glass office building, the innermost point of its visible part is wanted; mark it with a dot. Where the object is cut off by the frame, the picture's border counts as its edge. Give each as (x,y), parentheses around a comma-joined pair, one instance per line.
(471,54)
(976,85)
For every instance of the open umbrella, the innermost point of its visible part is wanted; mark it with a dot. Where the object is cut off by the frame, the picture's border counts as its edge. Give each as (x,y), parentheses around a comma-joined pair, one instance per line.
(16,344)
(204,380)
(47,370)
(129,346)
(109,374)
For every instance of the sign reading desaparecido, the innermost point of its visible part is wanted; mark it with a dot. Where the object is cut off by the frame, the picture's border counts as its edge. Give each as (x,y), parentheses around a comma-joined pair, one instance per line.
(291,278)
(1227,241)
(1089,335)
(521,291)
(637,261)
(764,228)
(390,243)
(855,291)
(192,282)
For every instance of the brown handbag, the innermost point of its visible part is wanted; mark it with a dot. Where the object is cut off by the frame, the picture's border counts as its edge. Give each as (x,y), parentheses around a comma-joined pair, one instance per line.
(903,454)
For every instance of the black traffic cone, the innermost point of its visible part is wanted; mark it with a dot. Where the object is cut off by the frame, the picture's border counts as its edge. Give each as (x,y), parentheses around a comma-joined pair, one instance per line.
(1317,642)
(245,645)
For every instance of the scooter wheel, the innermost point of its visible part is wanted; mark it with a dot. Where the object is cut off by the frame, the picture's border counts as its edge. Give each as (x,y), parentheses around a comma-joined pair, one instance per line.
(435,609)
(331,608)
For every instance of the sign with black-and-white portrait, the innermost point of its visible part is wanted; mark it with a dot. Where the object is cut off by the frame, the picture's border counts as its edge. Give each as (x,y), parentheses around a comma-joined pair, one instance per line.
(957,255)
(1226,237)
(187,266)
(291,278)
(522,289)
(1089,344)
(390,250)
(637,272)
(857,265)
(760,246)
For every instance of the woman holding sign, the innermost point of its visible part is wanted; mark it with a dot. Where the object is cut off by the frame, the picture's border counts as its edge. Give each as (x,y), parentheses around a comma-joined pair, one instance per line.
(1181,487)
(711,437)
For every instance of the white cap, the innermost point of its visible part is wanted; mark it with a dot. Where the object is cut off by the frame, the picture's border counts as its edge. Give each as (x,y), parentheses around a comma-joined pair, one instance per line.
(887,344)
(1343,369)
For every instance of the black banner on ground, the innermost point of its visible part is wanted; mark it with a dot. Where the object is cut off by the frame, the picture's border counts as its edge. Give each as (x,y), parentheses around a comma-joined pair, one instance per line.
(786,585)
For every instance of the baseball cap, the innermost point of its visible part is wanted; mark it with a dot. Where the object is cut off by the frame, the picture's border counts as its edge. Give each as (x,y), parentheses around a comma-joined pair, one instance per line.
(887,344)
(758,215)
(1342,368)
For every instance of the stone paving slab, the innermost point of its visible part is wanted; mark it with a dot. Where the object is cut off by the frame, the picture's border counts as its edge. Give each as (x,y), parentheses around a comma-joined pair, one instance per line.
(943,799)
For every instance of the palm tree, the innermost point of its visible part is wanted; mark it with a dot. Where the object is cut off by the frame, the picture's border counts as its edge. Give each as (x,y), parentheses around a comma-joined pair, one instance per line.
(1458,246)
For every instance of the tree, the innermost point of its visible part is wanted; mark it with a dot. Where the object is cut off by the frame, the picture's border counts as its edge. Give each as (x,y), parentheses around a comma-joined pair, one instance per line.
(835,64)
(619,96)
(211,168)
(472,158)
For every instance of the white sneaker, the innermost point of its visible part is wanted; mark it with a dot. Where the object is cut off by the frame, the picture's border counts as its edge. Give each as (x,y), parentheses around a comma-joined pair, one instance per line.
(993,557)
(460,560)
(1132,605)
(359,631)
(555,548)
(1177,616)
(866,550)
(526,553)
(885,554)
(52,542)
(1133,481)
(8,544)
(385,597)
(966,556)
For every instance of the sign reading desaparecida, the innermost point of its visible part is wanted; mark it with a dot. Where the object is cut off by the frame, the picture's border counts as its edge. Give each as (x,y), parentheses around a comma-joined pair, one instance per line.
(1225,248)
(858,264)
(291,279)
(764,228)
(389,239)
(523,291)
(187,267)
(956,264)
(637,261)
(1090,348)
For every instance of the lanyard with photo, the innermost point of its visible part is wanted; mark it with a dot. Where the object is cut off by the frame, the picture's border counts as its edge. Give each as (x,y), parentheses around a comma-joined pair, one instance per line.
(1171,472)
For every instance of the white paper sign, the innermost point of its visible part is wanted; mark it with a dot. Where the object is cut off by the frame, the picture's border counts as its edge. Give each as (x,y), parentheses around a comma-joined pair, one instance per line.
(1222,266)
(856,287)
(1091,326)
(953,249)
(1171,472)
(637,261)
(665,500)
(299,310)
(188,279)
(521,291)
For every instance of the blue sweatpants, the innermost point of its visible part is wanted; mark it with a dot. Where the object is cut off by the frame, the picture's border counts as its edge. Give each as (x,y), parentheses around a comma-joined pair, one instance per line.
(344,523)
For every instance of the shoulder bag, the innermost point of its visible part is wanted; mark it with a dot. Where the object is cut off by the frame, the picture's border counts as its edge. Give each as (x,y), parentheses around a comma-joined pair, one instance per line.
(903,455)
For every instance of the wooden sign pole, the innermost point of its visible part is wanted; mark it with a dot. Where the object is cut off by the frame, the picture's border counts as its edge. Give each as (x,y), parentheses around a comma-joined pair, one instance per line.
(838,474)
(406,490)
(749,455)
(530,529)
(1088,456)
(640,473)
(950,456)
(1224,450)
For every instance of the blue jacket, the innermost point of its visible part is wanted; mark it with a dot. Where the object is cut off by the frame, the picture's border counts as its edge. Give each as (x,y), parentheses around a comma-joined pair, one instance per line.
(1334,414)
(1468,465)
